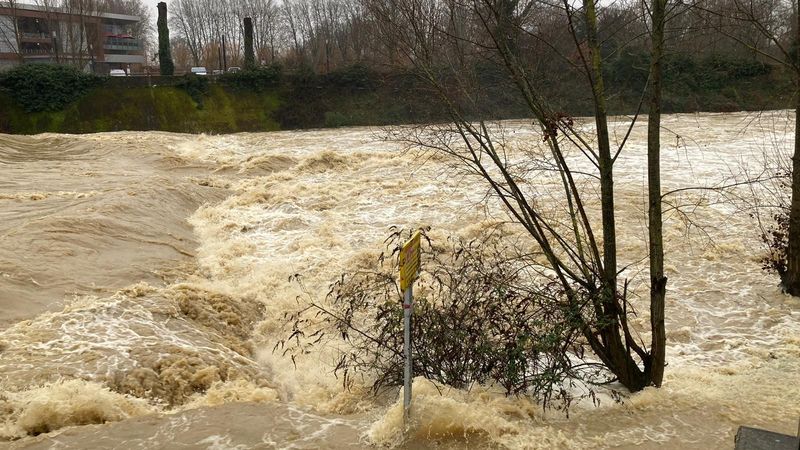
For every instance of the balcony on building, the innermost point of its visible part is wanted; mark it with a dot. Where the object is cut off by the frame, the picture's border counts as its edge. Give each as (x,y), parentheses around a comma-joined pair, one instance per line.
(34,30)
(122,43)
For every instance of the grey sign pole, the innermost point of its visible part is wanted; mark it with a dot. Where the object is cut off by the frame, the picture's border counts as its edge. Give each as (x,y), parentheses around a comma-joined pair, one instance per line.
(409,260)
(407,305)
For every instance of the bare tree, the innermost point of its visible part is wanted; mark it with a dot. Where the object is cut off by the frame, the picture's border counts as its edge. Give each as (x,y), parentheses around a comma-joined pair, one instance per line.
(9,29)
(444,40)
(181,54)
(187,16)
(324,34)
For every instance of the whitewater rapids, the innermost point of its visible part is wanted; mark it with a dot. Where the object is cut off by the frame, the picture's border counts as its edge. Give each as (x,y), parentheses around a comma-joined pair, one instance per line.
(144,279)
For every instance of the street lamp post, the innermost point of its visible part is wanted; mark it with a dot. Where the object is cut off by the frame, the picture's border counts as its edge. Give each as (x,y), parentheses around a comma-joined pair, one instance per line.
(55,45)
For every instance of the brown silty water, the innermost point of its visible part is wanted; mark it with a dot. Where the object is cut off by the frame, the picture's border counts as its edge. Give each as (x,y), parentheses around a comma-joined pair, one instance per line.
(144,278)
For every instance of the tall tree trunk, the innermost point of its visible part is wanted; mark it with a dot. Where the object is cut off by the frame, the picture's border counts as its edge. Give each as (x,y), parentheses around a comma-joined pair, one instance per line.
(617,356)
(164,52)
(249,52)
(658,282)
(224,55)
(791,281)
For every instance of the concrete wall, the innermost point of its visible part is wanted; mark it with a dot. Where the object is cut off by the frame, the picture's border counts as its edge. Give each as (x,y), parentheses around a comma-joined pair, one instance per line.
(126,59)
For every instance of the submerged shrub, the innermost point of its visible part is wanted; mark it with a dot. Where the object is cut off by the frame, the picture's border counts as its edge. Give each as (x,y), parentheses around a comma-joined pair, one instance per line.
(482,314)
(776,238)
(774,220)
(47,87)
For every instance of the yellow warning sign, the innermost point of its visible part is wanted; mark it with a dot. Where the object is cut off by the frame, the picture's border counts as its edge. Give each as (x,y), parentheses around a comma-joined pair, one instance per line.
(409,261)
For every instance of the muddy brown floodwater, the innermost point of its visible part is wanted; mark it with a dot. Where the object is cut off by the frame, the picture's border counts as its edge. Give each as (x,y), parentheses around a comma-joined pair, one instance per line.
(144,277)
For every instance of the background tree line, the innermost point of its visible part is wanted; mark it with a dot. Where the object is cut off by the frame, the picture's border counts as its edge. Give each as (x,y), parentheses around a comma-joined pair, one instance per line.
(328,34)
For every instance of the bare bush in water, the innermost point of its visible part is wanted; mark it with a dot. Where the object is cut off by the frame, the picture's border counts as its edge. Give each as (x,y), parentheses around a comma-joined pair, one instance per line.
(483,314)
(768,202)
(768,197)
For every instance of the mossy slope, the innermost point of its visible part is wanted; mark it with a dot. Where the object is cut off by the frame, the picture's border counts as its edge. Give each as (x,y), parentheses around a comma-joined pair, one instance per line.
(163,108)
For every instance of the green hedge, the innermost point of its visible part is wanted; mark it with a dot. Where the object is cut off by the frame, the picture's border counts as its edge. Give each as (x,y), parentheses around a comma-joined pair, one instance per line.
(256,79)
(46,87)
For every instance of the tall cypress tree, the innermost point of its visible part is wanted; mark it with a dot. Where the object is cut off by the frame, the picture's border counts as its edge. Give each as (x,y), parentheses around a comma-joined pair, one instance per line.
(249,53)
(164,52)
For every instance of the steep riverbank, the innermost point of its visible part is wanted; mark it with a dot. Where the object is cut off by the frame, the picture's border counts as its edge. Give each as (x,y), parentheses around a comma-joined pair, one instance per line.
(220,105)
(356,96)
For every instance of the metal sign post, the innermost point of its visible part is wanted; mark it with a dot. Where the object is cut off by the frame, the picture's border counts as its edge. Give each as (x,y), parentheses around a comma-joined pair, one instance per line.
(409,270)
(407,302)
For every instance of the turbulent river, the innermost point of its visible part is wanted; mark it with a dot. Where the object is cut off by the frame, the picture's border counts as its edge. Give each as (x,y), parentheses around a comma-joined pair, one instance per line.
(144,279)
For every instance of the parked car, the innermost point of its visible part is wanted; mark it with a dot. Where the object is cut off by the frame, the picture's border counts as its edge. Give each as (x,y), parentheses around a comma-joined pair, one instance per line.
(199,71)
(234,69)
(217,72)
(117,73)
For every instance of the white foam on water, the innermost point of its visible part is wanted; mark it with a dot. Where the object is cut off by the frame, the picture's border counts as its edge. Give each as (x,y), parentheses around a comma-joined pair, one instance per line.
(318,203)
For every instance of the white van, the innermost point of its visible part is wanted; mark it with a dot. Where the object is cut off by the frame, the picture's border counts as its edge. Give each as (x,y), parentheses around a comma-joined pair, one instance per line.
(199,71)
